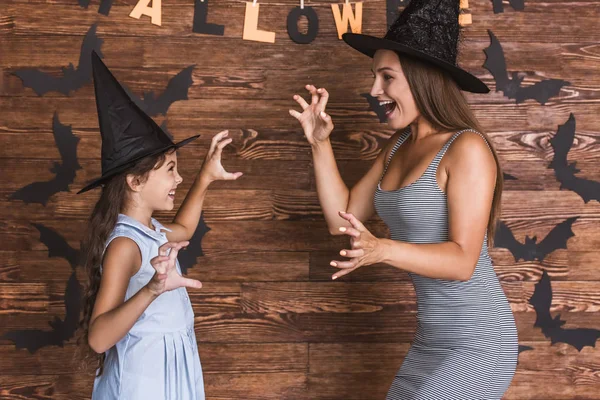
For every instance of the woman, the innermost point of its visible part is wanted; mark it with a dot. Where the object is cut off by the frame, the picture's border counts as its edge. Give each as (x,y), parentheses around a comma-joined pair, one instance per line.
(437,185)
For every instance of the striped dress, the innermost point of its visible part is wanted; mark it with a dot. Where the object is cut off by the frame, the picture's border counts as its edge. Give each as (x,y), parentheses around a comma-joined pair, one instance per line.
(465,346)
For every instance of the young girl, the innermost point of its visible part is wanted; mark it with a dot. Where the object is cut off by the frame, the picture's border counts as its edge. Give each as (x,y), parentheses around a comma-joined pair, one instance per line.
(138,322)
(437,186)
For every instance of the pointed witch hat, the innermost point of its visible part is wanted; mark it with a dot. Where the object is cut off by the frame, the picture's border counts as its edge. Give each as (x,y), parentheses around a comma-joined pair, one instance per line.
(128,133)
(427,30)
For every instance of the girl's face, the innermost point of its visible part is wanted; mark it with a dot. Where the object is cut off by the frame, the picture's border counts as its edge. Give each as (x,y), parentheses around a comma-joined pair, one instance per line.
(391,89)
(158,192)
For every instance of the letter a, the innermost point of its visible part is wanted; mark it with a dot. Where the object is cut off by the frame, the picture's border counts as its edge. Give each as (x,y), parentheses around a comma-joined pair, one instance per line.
(142,8)
(251,31)
(341,21)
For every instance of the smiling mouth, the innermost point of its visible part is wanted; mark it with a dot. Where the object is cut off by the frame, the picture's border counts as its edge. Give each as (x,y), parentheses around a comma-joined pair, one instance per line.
(172,194)
(389,106)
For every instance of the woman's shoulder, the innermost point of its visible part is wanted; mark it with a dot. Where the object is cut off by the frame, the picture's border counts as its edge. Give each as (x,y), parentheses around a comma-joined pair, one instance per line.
(470,146)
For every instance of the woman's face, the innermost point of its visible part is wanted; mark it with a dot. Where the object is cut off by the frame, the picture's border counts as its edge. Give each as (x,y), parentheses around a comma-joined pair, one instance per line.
(158,192)
(391,89)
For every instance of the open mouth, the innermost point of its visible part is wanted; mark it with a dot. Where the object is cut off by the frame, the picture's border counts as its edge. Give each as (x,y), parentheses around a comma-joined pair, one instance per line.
(172,194)
(389,106)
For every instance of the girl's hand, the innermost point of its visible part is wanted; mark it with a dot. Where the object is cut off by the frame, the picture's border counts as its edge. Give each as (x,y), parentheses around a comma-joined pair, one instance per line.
(317,125)
(212,169)
(366,249)
(166,276)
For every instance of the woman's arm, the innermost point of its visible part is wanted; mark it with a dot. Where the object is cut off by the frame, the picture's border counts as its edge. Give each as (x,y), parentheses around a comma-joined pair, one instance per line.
(112,318)
(471,170)
(333,193)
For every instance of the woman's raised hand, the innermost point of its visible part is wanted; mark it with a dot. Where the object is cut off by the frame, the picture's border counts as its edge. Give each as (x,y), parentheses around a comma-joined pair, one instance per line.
(212,169)
(166,276)
(316,123)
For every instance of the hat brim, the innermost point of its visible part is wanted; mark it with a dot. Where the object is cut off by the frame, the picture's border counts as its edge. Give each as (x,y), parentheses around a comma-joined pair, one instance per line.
(368,45)
(117,170)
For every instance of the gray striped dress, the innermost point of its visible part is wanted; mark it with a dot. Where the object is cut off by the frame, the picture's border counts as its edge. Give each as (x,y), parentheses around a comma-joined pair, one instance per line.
(465,346)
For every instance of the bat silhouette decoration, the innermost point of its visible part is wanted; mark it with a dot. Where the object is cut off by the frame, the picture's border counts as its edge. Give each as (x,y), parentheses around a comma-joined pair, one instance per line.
(552,329)
(518,5)
(511,86)
(61,329)
(187,257)
(72,78)
(177,89)
(531,250)
(565,171)
(104,8)
(375,107)
(40,192)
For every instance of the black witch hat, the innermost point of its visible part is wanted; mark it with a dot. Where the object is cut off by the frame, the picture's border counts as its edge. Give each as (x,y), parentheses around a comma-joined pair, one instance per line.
(427,30)
(128,134)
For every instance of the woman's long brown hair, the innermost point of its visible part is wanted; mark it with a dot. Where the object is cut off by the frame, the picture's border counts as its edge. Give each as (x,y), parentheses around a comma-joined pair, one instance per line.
(441,102)
(102,221)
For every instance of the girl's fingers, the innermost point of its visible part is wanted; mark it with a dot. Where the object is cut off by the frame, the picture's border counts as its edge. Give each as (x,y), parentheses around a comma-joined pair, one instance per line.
(191,283)
(224,143)
(352,253)
(232,176)
(300,100)
(163,249)
(350,231)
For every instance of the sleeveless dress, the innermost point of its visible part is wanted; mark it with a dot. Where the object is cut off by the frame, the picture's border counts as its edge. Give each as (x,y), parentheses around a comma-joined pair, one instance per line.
(465,345)
(158,358)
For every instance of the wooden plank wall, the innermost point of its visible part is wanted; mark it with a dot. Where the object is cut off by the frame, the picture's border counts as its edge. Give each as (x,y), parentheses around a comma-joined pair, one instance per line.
(269,321)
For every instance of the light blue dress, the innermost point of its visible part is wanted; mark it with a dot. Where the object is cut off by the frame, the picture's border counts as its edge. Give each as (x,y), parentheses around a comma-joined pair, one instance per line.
(158,358)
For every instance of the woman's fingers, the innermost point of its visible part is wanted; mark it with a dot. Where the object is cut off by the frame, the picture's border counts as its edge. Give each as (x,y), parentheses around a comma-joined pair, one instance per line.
(352,253)
(313,92)
(163,250)
(295,114)
(342,272)
(324,98)
(350,231)
(301,101)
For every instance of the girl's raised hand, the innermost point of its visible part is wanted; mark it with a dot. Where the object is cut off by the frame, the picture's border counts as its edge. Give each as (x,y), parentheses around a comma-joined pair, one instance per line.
(166,276)
(317,125)
(212,169)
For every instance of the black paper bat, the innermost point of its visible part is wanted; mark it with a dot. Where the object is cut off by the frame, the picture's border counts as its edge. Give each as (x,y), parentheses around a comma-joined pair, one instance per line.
(71,79)
(531,250)
(177,89)
(62,329)
(565,171)
(40,192)
(511,86)
(187,258)
(541,301)
(374,106)
(523,348)
(518,5)
(104,8)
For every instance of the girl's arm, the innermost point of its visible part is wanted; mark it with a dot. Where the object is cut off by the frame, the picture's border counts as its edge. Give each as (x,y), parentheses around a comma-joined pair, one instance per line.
(188,216)
(112,318)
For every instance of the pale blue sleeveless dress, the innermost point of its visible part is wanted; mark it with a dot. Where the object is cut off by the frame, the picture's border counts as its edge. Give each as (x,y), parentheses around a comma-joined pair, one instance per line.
(158,358)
